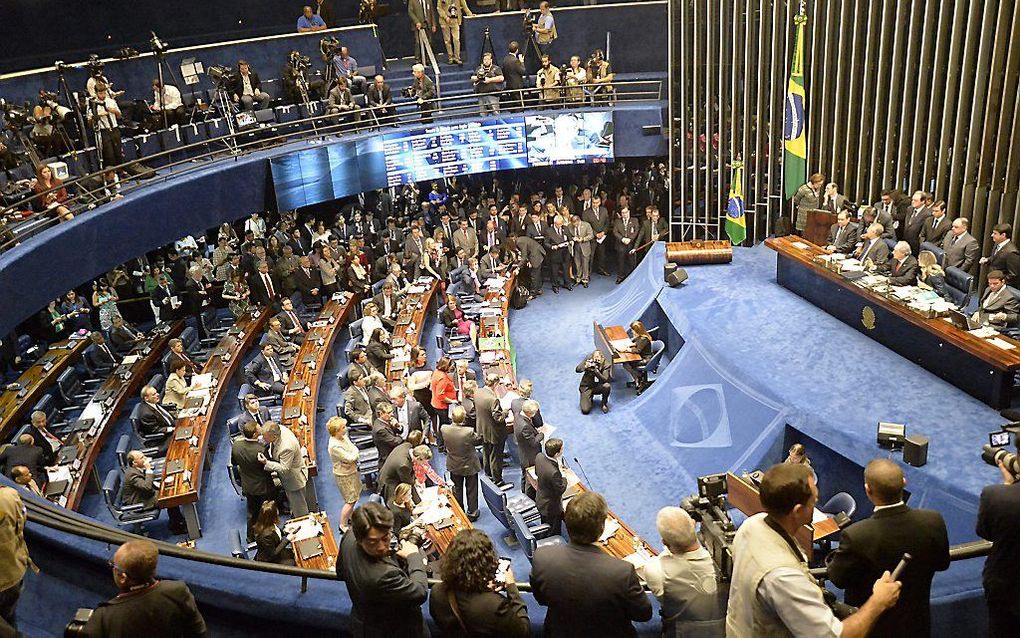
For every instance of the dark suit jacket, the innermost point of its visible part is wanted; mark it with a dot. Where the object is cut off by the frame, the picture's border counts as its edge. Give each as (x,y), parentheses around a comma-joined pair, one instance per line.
(255,480)
(385,439)
(376,97)
(49,454)
(247,416)
(99,358)
(123,338)
(165,610)
(31,456)
(259,369)
(938,234)
(529,439)
(610,599)
(260,295)
(395,470)
(906,275)
(138,487)
(962,253)
(386,598)
(998,521)
(1007,259)
(879,252)
(912,225)
(306,283)
(592,379)
(271,547)
(513,73)
(870,547)
(150,421)
(486,613)
(846,243)
(238,84)
(551,485)
(461,456)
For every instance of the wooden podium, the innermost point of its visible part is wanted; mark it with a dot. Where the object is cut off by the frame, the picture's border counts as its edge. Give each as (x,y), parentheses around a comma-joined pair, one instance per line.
(819,221)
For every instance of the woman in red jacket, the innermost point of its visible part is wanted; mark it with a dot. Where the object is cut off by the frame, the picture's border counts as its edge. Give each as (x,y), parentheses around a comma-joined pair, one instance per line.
(443,394)
(53,201)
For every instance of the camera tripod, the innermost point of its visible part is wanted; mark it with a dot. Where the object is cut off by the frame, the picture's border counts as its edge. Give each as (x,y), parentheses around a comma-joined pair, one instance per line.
(223,104)
(79,116)
(301,80)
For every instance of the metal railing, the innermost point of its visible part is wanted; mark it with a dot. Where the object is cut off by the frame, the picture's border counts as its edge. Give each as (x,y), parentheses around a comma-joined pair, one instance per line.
(188,157)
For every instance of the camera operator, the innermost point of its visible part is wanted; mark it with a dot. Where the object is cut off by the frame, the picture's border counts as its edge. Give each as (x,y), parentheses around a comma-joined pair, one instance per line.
(422,14)
(513,77)
(165,98)
(998,521)
(596,373)
(600,75)
(386,584)
(341,102)
(347,67)
(487,80)
(380,99)
(548,82)
(423,91)
(44,134)
(574,78)
(103,113)
(294,74)
(544,28)
(96,77)
(247,88)
(772,591)
(451,16)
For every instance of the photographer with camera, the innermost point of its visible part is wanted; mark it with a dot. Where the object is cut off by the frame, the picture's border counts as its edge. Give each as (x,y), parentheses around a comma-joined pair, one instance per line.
(296,86)
(165,98)
(544,27)
(600,76)
(596,373)
(574,78)
(385,577)
(772,592)
(998,521)
(102,114)
(247,88)
(487,79)
(451,16)
(423,90)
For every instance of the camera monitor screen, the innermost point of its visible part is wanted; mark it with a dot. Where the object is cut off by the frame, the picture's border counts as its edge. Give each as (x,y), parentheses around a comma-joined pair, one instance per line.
(445,150)
(570,138)
(998,439)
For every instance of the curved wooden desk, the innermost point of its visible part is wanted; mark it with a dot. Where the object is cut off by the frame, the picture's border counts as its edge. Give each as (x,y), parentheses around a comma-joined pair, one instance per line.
(35,381)
(182,488)
(414,310)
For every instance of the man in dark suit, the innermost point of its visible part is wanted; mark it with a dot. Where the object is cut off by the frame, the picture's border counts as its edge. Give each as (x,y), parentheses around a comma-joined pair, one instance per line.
(265,373)
(886,210)
(596,373)
(308,281)
(875,545)
(290,323)
(265,290)
(357,402)
(380,99)
(414,248)
(915,220)
(597,215)
(492,430)
(396,469)
(962,250)
(843,235)
(388,303)
(386,436)
(529,439)
(145,606)
(513,77)
(1004,256)
(140,488)
(936,226)
(625,232)
(100,354)
(256,483)
(359,365)
(153,418)
(551,484)
(122,336)
(254,412)
(422,14)
(998,305)
(490,236)
(611,597)
(902,268)
(386,593)
(462,460)
(998,521)
(409,413)
(44,438)
(873,247)
(26,453)
(557,244)
(247,88)
(198,301)
(178,355)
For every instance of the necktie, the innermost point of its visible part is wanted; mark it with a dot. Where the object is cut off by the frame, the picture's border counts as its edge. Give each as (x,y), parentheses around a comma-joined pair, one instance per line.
(492,239)
(258,417)
(163,413)
(269,285)
(898,264)
(106,349)
(995,251)
(276,370)
(839,233)
(953,243)
(296,321)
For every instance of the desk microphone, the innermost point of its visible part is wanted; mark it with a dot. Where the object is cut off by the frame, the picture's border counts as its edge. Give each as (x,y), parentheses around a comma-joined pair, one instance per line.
(899,567)
(583,473)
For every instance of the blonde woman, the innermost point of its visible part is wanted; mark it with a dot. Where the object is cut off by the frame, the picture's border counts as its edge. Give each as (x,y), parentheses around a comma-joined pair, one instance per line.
(641,342)
(931,277)
(344,455)
(369,322)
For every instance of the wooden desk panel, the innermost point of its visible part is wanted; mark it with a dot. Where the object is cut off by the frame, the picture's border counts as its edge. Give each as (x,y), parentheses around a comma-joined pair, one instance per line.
(327,560)
(970,363)
(118,390)
(176,491)
(36,381)
(605,335)
(318,343)
(441,538)
(625,541)
(504,366)
(416,306)
(819,221)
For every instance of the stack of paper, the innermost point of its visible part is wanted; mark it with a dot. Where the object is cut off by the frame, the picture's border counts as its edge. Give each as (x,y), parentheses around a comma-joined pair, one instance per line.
(202,381)
(303,529)
(612,526)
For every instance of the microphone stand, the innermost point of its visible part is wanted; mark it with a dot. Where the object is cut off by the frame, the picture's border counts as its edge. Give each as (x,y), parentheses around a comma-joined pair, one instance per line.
(583,473)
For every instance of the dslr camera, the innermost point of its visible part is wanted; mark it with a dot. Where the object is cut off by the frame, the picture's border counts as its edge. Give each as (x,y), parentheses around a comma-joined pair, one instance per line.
(329,47)
(530,18)
(95,65)
(995,450)
(408,91)
(299,61)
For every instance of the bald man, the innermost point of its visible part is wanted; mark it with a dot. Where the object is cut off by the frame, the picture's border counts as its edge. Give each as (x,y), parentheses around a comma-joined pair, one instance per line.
(145,606)
(869,547)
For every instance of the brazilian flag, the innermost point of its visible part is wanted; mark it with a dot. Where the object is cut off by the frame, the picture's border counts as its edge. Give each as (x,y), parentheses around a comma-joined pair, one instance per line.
(736,226)
(795,124)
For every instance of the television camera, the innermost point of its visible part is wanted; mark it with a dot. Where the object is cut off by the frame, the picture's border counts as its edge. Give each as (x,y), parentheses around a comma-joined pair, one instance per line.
(708,507)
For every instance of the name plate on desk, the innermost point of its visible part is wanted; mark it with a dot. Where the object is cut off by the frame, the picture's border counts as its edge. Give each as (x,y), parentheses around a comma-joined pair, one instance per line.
(308,358)
(292,412)
(296,385)
(174,466)
(183,434)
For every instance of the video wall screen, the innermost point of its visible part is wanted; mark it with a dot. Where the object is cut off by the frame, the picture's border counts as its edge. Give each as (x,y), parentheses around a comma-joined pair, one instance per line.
(327,172)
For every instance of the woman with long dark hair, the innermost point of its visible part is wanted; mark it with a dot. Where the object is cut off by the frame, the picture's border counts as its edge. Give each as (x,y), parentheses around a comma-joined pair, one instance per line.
(273,546)
(473,600)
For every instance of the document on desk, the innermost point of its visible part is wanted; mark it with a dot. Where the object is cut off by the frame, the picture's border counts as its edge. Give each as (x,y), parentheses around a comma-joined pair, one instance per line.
(129,360)
(416,290)
(984,332)
(621,344)
(202,381)
(818,516)
(799,245)
(612,526)
(303,529)
(1002,343)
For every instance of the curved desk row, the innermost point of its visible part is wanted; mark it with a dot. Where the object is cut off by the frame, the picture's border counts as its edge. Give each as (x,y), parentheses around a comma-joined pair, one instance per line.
(407,333)
(300,400)
(186,456)
(101,412)
(37,380)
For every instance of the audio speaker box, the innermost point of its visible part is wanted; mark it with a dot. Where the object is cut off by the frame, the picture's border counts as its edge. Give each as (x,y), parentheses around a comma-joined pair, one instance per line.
(915,450)
(674,279)
(668,270)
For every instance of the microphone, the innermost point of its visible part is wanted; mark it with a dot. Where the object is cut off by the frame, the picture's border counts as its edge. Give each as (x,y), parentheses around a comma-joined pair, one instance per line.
(583,473)
(900,567)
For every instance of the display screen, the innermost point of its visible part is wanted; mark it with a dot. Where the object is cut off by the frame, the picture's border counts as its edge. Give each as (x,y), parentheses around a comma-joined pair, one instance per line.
(445,150)
(327,172)
(570,138)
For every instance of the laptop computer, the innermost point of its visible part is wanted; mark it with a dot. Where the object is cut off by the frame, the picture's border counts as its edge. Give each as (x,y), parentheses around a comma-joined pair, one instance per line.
(310,548)
(962,321)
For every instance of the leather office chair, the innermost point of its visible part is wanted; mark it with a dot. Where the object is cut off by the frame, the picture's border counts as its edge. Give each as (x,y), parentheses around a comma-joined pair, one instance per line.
(125,515)
(650,366)
(146,439)
(157,381)
(940,254)
(959,286)
(71,390)
(235,479)
(840,502)
(531,537)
